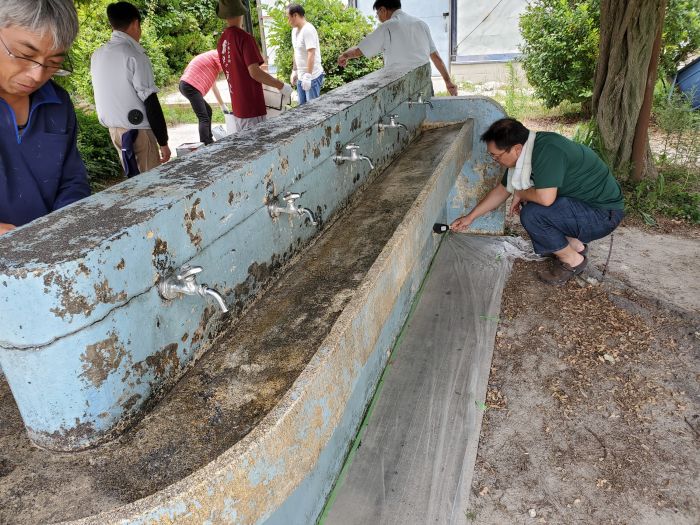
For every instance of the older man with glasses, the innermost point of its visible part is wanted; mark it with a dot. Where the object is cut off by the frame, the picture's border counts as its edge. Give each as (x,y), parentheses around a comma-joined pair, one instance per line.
(565,194)
(40,168)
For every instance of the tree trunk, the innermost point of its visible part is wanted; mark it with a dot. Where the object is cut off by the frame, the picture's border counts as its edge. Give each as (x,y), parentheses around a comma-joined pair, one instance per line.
(627,32)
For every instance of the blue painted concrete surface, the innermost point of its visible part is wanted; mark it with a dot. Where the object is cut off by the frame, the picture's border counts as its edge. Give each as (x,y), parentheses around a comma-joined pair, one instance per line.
(107,341)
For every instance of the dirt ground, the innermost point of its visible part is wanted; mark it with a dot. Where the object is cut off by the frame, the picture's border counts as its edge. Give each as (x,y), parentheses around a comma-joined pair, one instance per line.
(593,406)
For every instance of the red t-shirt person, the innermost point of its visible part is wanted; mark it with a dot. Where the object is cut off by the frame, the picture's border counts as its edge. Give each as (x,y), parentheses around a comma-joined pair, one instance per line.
(237,50)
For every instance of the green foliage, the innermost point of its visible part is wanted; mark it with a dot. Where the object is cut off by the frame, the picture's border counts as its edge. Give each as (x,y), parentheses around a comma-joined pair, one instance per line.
(589,135)
(184,29)
(561,45)
(514,97)
(339,27)
(96,149)
(680,126)
(674,193)
(681,35)
(173,32)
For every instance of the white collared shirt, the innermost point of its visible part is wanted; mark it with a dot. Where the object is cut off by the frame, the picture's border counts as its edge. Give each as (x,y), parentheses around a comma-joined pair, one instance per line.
(122,78)
(404,40)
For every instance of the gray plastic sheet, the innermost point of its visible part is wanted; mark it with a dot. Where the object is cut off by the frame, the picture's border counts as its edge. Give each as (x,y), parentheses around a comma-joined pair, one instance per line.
(417,454)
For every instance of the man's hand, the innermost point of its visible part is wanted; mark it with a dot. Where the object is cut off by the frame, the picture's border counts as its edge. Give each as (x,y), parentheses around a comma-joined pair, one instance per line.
(4,227)
(461,224)
(451,88)
(515,205)
(164,154)
(293,78)
(286,90)
(306,81)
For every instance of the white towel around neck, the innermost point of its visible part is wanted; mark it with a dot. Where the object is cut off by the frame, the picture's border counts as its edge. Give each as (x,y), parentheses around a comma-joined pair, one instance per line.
(519,178)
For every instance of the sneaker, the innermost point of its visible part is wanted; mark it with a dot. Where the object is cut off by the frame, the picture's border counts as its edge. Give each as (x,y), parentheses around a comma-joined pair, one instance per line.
(561,272)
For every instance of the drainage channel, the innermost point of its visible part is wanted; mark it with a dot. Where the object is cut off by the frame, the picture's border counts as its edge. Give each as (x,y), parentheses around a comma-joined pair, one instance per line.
(249,368)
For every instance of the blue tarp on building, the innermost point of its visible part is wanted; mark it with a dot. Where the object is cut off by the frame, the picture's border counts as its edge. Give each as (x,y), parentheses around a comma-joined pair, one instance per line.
(688,81)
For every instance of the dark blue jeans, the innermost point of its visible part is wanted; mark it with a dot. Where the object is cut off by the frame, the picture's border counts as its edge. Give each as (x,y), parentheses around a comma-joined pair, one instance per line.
(549,226)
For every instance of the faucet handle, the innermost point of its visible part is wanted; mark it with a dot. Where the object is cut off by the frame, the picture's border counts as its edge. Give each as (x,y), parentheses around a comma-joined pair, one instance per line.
(290,197)
(352,147)
(188,272)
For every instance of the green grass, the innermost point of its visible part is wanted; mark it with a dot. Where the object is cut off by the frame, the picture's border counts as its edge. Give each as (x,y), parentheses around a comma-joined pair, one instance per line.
(175,115)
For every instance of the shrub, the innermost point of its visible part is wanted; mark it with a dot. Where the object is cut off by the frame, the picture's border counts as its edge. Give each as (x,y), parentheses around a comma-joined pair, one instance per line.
(339,27)
(96,149)
(561,45)
(681,35)
(184,29)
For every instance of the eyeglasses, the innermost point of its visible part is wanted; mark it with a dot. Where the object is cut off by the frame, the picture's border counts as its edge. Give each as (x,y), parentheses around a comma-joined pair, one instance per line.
(498,155)
(28,63)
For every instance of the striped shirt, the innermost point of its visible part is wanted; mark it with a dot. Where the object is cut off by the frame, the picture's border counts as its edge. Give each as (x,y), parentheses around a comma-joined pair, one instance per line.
(202,71)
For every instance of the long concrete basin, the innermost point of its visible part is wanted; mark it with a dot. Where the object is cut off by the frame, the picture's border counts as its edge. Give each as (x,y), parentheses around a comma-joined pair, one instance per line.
(248,419)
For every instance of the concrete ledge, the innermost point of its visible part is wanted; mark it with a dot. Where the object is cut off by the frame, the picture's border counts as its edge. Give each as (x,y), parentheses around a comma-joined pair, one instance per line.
(108,342)
(282,471)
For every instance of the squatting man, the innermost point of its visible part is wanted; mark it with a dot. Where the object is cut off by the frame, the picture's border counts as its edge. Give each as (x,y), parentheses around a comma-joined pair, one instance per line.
(565,194)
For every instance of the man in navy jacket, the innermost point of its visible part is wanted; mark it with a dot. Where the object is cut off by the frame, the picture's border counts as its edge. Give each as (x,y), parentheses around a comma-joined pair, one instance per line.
(40,168)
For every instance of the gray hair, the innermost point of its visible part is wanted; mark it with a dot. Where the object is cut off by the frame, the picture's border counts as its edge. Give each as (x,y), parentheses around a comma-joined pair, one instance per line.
(55,17)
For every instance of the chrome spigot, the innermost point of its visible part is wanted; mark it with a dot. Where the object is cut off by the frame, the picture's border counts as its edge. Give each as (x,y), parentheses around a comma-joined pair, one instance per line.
(419,101)
(184,282)
(392,124)
(291,208)
(353,157)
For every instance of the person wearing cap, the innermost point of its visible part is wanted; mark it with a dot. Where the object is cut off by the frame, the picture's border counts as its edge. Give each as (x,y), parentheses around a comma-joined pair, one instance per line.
(126,97)
(196,81)
(404,40)
(241,60)
(40,168)
(307,70)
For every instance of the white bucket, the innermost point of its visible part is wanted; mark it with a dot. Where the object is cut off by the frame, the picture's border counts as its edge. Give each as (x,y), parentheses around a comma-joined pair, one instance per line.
(187,147)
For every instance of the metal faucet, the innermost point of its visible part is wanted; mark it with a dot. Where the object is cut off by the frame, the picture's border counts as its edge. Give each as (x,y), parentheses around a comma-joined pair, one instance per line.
(420,100)
(184,281)
(291,208)
(353,157)
(392,124)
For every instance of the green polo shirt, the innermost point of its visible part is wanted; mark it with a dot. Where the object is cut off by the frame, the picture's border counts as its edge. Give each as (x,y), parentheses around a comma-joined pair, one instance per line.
(575,170)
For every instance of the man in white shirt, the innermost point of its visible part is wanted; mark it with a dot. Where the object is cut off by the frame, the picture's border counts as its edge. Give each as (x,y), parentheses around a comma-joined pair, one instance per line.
(404,40)
(307,70)
(126,97)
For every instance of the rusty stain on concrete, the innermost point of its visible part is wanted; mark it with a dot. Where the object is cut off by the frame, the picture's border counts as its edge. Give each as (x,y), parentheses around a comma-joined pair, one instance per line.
(63,439)
(326,139)
(165,361)
(105,294)
(121,265)
(200,401)
(161,257)
(192,215)
(101,359)
(71,303)
(356,124)
(198,334)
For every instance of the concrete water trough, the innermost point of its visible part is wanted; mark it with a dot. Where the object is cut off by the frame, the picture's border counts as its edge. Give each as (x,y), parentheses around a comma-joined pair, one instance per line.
(144,409)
